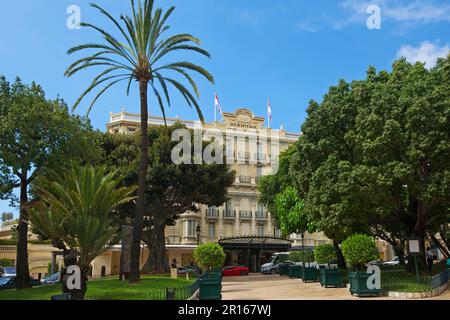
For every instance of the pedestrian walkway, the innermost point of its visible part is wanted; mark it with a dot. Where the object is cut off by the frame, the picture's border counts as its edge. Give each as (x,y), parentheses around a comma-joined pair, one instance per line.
(274,287)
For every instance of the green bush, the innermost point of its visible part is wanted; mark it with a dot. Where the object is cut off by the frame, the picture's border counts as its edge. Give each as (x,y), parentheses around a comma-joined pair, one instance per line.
(358,250)
(325,254)
(305,256)
(6,263)
(209,256)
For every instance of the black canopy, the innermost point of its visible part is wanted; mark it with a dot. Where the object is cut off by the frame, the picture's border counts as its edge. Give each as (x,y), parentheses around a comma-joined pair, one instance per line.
(253,242)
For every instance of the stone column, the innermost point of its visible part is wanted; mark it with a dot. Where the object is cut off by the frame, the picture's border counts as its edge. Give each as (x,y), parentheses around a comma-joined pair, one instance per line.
(237,225)
(253,220)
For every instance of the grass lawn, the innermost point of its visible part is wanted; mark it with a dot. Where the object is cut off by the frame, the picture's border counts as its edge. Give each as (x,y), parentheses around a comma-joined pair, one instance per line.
(105,289)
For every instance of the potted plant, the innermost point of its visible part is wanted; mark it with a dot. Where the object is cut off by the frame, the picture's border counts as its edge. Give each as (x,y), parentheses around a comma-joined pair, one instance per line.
(358,250)
(210,257)
(326,254)
(296,269)
(310,273)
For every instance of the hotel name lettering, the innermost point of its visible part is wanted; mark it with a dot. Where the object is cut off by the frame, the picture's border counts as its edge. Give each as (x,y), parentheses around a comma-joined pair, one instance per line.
(243,125)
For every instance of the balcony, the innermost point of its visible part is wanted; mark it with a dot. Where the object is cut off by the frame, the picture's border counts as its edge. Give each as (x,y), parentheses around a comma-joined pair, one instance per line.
(261,157)
(212,213)
(244,156)
(245,179)
(245,215)
(261,216)
(229,214)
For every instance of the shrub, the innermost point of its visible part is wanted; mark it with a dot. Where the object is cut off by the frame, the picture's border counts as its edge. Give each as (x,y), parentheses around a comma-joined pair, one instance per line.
(209,256)
(358,250)
(325,254)
(6,263)
(305,256)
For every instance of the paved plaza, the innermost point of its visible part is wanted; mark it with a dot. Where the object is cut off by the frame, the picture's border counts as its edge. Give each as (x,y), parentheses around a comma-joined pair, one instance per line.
(274,287)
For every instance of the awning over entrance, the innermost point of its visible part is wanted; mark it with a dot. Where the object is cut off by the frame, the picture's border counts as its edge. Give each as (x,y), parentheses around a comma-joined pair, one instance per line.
(256,243)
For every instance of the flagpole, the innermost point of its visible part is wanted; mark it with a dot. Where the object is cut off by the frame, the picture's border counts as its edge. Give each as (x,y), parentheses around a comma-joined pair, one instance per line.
(268,115)
(215,107)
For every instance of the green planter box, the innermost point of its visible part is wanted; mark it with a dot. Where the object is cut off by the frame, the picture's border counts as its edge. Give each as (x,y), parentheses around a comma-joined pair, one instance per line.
(295,272)
(331,278)
(310,274)
(358,284)
(284,269)
(210,289)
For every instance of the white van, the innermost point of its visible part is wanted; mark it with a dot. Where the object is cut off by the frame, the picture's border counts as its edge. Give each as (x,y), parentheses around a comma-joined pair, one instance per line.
(273,266)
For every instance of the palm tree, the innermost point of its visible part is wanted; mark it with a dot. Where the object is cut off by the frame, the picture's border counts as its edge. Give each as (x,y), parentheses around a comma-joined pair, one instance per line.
(139,57)
(75,212)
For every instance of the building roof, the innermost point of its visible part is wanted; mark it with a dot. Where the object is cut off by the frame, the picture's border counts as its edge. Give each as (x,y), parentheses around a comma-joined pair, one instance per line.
(254,242)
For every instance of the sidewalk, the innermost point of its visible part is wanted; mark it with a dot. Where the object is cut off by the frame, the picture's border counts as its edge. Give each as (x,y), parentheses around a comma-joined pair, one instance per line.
(274,287)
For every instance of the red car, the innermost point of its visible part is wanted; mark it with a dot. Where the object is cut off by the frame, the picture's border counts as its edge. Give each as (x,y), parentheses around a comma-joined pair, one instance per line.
(234,271)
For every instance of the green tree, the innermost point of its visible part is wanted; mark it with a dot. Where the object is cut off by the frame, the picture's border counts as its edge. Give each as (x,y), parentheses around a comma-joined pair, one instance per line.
(140,56)
(171,189)
(7,216)
(325,254)
(209,256)
(290,213)
(374,156)
(359,249)
(75,212)
(35,134)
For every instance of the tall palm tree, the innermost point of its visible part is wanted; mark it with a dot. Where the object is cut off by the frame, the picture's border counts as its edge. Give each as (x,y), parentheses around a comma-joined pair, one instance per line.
(75,212)
(139,57)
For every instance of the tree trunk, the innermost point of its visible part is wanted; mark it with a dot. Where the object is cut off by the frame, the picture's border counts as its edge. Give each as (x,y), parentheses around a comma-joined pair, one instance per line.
(340,257)
(140,206)
(156,243)
(400,253)
(23,272)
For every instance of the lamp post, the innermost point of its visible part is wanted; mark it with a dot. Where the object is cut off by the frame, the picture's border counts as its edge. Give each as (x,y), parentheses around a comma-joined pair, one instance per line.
(198,230)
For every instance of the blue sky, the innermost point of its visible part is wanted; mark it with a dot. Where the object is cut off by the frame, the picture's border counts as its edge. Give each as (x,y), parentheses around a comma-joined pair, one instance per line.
(288,50)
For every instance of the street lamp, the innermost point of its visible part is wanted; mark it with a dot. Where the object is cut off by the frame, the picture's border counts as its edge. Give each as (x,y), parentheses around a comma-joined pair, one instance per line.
(199,230)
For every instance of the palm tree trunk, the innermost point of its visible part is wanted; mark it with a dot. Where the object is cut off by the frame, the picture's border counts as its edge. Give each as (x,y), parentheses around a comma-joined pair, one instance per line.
(23,273)
(140,206)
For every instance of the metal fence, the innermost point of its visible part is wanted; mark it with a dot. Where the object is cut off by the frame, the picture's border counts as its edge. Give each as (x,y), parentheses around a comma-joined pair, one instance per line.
(409,282)
(179,294)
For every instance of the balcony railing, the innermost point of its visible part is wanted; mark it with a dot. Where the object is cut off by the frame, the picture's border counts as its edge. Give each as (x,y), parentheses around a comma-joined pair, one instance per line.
(261,215)
(212,213)
(245,215)
(260,157)
(245,179)
(229,214)
(244,155)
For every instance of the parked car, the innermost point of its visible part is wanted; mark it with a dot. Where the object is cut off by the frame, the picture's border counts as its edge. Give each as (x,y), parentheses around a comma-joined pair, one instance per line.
(7,272)
(375,263)
(394,262)
(273,266)
(53,279)
(184,270)
(233,271)
(7,283)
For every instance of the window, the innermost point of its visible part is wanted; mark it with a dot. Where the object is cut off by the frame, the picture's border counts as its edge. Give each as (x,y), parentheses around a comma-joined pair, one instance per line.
(190,228)
(261,231)
(212,230)
(277,232)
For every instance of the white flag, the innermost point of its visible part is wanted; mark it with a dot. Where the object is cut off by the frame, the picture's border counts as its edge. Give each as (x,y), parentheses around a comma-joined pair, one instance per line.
(269,110)
(217,104)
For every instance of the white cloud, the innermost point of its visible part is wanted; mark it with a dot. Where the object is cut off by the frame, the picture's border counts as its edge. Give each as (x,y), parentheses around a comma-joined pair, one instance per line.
(427,52)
